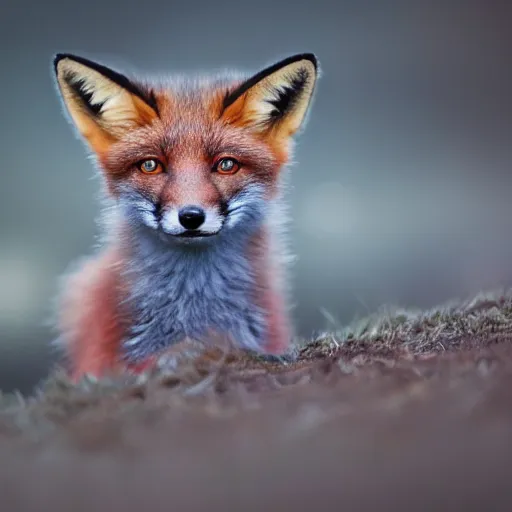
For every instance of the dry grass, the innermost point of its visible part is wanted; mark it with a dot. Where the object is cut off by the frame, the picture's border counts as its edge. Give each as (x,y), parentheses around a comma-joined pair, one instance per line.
(417,331)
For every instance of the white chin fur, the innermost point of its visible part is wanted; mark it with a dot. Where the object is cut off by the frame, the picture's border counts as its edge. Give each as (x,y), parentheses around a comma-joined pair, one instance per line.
(171,225)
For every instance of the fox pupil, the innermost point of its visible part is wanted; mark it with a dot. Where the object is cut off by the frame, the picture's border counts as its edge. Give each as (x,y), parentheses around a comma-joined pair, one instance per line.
(149,165)
(227,164)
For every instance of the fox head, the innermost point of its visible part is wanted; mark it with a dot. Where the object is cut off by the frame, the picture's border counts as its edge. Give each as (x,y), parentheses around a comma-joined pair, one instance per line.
(189,159)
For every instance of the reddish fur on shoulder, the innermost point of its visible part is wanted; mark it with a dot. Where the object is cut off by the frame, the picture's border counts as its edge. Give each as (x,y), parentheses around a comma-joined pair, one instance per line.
(278,331)
(90,319)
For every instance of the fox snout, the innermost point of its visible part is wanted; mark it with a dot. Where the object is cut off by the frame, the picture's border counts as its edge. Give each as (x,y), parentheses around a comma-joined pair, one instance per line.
(242,212)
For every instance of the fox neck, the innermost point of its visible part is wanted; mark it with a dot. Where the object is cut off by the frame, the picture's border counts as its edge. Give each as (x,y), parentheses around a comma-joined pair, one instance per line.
(152,257)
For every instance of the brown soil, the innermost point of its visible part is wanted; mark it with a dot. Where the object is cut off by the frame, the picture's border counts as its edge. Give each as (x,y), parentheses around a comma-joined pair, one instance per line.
(409,412)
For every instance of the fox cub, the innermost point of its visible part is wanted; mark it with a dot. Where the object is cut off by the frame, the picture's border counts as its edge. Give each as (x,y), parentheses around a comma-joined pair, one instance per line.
(192,246)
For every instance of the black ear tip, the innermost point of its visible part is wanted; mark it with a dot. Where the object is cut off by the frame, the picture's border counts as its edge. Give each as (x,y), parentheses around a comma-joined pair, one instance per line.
(58,57)
(61,56)
(312,58)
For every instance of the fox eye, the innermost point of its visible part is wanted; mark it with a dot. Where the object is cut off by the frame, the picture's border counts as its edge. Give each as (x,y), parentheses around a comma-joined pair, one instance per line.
(226,166)
(151,166)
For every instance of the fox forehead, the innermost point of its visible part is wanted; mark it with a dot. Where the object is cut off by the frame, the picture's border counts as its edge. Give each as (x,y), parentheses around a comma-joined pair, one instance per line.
(190,126)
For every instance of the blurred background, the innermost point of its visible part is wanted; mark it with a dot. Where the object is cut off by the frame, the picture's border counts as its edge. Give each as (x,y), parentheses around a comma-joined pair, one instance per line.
(402,182)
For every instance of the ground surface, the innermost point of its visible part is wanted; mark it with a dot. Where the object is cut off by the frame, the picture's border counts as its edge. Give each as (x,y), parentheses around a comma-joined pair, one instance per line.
(400,411)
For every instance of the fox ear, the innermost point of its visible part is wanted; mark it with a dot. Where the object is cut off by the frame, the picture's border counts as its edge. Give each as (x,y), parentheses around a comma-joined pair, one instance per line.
(103,104)
(277,98)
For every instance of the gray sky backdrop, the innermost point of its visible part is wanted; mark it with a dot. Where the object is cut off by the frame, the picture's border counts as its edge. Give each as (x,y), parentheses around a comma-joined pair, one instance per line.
(402,183)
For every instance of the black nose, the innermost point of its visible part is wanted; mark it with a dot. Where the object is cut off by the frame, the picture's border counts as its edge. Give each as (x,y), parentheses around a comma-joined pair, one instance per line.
(191,217)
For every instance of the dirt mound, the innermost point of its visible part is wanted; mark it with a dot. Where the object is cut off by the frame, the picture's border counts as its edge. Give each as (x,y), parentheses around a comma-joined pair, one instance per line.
(402,411)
